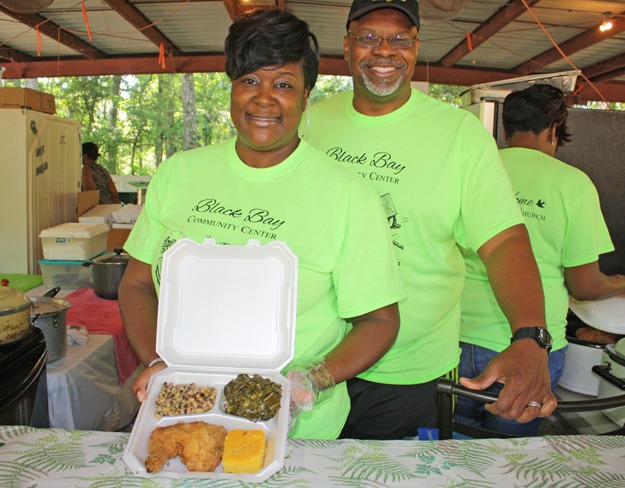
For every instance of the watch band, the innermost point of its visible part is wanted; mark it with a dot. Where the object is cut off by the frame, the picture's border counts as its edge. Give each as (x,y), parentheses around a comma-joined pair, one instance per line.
(540,334)
(155,361)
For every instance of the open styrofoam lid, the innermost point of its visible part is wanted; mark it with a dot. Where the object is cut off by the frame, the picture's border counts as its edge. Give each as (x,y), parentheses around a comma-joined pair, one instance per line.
(227,307)
(607,315)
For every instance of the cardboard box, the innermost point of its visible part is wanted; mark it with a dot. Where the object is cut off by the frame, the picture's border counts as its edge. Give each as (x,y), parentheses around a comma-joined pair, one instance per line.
(117,238)
(11,97)
(100,214)
(87,200)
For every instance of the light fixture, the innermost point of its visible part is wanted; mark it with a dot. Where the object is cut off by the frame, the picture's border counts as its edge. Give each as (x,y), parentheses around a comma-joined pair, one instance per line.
(607,24)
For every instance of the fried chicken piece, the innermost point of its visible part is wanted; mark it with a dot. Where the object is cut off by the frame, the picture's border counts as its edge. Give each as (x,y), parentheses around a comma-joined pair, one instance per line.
(200,446)
(590,334)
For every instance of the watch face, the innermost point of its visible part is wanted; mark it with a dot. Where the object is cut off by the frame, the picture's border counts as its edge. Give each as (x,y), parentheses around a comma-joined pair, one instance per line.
(539,334)
(545,336)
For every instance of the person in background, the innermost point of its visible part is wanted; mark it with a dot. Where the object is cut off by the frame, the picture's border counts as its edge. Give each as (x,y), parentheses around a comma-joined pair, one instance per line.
(442,183)
(269,184)
(567,231)
(95,176)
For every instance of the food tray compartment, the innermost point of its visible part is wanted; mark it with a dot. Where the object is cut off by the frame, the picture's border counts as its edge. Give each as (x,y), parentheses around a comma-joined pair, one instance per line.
(276,429)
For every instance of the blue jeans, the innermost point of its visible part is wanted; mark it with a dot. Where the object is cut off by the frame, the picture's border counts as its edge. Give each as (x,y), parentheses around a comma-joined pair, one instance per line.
(473,361)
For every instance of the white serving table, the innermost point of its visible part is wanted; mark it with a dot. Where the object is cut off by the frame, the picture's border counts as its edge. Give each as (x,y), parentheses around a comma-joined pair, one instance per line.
(84,391)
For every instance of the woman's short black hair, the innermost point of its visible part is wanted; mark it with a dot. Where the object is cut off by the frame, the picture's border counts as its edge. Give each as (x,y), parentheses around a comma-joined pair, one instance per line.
(91,150)
(271,37)
(535,109)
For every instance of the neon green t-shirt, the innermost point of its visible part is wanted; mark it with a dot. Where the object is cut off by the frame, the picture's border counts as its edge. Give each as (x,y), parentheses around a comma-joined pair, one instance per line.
(441,181)
(563,217)
(331,220)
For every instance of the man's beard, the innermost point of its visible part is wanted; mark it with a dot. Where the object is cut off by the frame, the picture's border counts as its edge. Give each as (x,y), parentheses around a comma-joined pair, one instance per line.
(384,89)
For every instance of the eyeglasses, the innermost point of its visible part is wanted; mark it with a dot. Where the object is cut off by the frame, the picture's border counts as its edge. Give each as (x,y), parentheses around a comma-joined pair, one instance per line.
(372,41)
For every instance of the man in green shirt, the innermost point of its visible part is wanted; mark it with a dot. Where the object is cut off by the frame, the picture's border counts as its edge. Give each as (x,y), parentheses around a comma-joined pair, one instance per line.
(442,184)
(563,216)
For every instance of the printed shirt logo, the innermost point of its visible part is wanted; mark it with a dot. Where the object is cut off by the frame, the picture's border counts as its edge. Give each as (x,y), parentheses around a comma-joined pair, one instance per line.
(380,167)
(529,207)
(211,214)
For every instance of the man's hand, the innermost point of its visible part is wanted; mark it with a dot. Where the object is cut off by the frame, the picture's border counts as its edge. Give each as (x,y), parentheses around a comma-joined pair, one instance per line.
(523,368)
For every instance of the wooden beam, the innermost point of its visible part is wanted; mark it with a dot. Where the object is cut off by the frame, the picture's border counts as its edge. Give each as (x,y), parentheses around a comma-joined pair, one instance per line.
(612,92)
(606,66)
(582,41)
(486,30)
(239,7)
(459,76)
(135,17)
(148,64)
(608,75)
(13,54)
(232,7)
(215,62)
(56,32)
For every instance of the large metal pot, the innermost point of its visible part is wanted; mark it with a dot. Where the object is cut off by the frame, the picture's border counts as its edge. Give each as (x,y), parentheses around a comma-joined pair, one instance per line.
(108,269)
(14,312)
(48,314)
(612,378)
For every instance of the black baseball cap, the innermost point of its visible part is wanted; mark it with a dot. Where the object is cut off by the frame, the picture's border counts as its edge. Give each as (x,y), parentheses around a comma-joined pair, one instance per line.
(362,7)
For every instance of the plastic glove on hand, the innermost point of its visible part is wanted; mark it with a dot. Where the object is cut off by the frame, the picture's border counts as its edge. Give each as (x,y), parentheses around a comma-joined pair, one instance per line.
(308,385)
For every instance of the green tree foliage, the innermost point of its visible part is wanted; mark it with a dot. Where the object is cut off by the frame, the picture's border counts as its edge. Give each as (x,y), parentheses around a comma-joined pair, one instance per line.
(138,121)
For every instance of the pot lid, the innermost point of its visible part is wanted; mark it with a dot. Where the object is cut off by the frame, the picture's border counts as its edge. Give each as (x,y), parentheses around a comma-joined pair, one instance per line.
(117,257)
(227,307)
(12,300)
(607,315)
(48,305)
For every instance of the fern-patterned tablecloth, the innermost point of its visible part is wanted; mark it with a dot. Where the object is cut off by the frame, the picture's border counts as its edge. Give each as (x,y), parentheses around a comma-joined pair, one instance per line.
(63,458)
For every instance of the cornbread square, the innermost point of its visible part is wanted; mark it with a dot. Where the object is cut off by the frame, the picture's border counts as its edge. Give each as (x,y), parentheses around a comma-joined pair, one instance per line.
(244,451)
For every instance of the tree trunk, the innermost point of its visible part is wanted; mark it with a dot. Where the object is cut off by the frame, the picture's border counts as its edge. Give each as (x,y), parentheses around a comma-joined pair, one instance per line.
(189,115)
(116,83)
(160,138)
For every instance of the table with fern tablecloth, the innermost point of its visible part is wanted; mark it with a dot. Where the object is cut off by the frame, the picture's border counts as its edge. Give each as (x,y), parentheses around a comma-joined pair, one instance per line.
(63,458)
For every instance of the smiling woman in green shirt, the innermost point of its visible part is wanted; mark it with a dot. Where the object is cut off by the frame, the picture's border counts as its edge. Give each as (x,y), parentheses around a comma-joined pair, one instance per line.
(267,184)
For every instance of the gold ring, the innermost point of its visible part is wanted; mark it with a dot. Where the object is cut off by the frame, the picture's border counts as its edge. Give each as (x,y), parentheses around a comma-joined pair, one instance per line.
(534,404)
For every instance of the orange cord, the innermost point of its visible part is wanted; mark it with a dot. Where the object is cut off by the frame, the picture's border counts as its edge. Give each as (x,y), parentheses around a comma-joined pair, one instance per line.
(39,41)
(86,19)
(590,83)
(161,55)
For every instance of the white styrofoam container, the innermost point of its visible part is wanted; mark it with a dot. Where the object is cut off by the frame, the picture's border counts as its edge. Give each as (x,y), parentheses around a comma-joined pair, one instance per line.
(74,241)
(607,314)
(223,310)
(100,214)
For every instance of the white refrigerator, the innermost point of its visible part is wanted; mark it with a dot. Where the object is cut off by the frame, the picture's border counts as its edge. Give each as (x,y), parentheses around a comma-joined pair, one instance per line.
(40,173)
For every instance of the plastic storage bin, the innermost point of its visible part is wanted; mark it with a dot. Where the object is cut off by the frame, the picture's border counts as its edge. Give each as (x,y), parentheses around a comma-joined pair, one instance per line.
(74,241)
(66,274)
(244,296)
